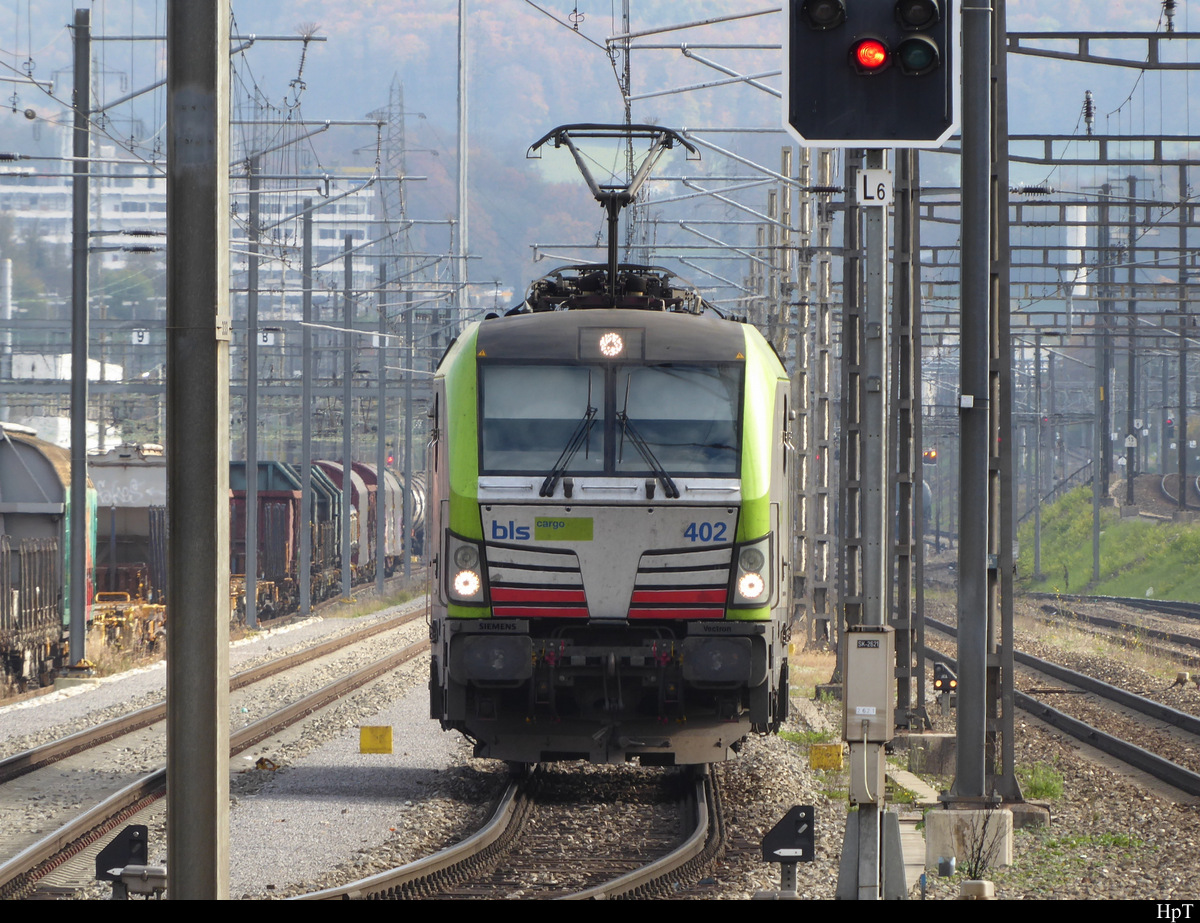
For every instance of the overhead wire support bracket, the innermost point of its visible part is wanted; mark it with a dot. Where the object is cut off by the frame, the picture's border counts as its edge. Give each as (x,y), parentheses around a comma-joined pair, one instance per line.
(1150,61)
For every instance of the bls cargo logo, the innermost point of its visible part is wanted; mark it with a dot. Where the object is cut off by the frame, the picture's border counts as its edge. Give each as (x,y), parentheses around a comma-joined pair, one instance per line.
(570,529)
(509,533)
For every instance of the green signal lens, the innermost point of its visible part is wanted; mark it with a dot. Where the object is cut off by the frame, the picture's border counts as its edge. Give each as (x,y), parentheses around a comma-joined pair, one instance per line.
(917,55)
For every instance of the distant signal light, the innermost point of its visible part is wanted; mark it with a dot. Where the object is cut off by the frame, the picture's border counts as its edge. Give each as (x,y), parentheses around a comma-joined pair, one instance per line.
(944,679)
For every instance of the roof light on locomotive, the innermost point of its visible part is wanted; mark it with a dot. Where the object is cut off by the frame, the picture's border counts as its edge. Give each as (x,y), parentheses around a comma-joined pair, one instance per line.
(611,345)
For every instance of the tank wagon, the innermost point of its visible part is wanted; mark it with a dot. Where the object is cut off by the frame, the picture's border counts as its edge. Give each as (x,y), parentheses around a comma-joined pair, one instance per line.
(35,517)
(279,502)
(127,567)
(607,513)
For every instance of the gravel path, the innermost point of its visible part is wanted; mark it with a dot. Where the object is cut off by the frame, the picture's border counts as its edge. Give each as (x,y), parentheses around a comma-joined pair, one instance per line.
(346,802)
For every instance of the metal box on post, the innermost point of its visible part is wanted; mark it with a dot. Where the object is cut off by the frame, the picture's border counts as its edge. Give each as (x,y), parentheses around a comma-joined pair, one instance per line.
(870,688)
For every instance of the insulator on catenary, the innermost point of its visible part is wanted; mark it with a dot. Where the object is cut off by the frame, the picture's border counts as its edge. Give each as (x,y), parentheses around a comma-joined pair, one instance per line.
(1089,111)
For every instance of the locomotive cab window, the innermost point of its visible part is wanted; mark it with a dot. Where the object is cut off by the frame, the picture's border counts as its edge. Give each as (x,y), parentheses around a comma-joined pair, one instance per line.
(529,415)
(686,417)
(630,420)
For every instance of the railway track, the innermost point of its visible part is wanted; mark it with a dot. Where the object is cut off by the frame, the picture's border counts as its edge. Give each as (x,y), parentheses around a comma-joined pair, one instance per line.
(391,586)
(27,761)
(1193,483)
(1152,633)
(118,796)
(557,834)
(1168,607)
(1147,735)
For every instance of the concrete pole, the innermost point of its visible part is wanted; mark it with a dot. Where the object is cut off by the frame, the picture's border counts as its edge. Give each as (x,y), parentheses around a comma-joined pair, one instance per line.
(347,417)
(920,513)
(876,497)
(906,468)
(876,431)
(850,534)
(1001,702)
(1164,412)
(1102,446)
(1037,460)
(81,170)
(409,358)
(1181,426)
(198,330)
(464,159)
(381,424)
(1104,341)
(974,401)
(251,510)
(5,330)
(1131,381)
(1055,425)
(1098,481)
(304,569)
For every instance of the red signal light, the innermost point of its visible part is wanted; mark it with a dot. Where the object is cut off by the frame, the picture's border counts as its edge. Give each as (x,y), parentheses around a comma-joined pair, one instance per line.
(870,56)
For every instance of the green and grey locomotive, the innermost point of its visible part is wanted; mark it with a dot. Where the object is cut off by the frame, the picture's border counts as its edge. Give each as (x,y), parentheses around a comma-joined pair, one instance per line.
(610,523)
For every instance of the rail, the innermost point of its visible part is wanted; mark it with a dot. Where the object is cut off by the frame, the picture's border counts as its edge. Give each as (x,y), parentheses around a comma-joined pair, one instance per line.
(1138,757)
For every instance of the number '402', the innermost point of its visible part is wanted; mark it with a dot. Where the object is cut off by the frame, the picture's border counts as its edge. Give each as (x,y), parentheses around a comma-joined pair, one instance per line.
(705,532)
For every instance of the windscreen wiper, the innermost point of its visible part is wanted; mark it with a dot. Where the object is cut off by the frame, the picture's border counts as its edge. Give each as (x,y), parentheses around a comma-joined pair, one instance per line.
(582,430)
(627,428)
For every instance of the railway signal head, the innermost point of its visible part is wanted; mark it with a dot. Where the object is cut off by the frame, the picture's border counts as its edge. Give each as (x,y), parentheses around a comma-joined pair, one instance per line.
(871,73)
(944,679)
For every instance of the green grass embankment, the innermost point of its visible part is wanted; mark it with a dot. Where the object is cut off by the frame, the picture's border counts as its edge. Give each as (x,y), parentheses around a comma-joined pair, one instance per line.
(1138,557)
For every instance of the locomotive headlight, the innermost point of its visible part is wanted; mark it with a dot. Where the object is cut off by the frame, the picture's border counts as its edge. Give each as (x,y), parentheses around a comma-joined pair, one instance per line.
(751,559)
(753,580)
(467,583)
(751,585)
(466,557)
(611,345)
(465,571)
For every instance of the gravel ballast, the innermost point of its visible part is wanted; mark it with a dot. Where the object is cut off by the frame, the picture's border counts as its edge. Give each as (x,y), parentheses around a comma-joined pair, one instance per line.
(326,814)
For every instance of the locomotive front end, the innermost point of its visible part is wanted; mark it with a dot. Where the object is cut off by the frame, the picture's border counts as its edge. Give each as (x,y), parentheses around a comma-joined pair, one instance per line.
(611,581)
